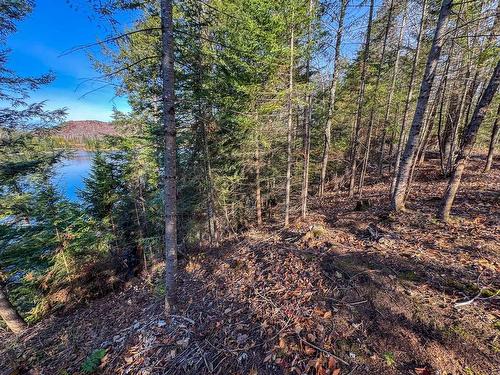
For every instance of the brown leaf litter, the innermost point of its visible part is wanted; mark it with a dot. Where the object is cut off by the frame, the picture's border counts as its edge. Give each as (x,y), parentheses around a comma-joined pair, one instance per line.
(349,291)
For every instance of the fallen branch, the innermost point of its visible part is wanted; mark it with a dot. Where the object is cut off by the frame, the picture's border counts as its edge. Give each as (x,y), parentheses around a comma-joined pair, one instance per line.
(323,350)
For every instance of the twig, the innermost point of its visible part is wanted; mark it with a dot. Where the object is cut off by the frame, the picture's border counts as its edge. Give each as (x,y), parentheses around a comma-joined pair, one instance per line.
(182,317)
(477,296)
(323,350)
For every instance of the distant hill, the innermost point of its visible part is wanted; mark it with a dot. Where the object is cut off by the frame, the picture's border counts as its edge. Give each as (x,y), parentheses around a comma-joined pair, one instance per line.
(85,129)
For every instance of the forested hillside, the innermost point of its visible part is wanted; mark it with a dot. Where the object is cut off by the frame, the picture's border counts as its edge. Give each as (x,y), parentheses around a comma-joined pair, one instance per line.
(85,129)
(299,187)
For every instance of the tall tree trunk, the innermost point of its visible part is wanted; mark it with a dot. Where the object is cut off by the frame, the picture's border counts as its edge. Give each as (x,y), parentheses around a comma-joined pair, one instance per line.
(428,123)
(258,195)
(204,119)
(391,94)
(307,118)
(468,140)
(361,100)
(493,140)
(212,229)
(9,314)
(374,104)
(331,103)
(289,127)
(398,198)
(169,173)
(456,122)
(409,96)
(430,127)
(443,109)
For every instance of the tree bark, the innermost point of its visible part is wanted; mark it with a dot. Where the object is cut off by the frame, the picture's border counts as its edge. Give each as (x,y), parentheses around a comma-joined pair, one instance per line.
(9,314)
(409,97)
(170,151)
(331,103)
(391,94)
(258,195)
(204,119)
(361,99)
(398,198)
(430,127)
(374,104)
(307,119)
(467,144)
(289,128)
(212,229)
(493,140)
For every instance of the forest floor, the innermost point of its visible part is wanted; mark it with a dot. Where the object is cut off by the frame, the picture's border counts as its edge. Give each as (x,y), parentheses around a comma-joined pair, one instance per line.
(345,292)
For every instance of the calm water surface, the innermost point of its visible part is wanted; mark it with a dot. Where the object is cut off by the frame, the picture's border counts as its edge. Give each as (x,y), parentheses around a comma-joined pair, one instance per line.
(70,173)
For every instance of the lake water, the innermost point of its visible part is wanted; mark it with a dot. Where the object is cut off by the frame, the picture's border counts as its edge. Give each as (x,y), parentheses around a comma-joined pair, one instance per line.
(70,173)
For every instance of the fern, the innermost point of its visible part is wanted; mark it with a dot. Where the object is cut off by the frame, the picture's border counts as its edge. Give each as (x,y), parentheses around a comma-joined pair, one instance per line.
(93,361)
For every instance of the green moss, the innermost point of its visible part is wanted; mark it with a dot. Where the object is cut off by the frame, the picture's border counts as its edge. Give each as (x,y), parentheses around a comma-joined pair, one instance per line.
(409,275)
(456,331)
(488,293)
(464,287)
(496,324)
(389,358)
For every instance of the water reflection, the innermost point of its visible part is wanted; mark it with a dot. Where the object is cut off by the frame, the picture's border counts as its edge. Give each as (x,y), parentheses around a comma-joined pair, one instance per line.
(70,174)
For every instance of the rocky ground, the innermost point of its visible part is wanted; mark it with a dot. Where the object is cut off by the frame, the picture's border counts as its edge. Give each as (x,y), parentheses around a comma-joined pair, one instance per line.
(352,290)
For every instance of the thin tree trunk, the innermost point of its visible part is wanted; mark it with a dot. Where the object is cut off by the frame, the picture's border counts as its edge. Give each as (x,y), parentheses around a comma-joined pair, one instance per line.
(468,141)
(374,104)
(331,103)
(493,141)
(442,110)
(427,137)
(204,117)
(212,229)
(428,124)
(398,198)
(289,128)
(448,135)
(169,173)
(361,99)
(456,122)
(258,195)
(391,94)
(307,119)
(409,97)
(9,314)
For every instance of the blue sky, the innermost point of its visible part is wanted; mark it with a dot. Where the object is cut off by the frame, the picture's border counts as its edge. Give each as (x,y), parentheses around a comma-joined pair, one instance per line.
(52,28)
(56,26)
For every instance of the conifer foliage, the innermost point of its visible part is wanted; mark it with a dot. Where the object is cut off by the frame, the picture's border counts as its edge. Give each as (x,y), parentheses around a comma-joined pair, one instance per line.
(241,110)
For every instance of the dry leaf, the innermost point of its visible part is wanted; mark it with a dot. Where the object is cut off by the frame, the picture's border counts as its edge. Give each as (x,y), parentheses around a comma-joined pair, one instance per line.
(308,350)
(331,363)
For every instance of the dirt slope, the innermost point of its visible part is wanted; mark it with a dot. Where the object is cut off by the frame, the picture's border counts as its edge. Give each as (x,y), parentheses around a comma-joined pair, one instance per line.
(347,292)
